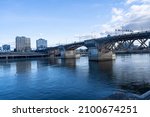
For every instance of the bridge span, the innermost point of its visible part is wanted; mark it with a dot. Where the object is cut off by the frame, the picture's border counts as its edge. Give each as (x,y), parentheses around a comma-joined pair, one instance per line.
(100,49)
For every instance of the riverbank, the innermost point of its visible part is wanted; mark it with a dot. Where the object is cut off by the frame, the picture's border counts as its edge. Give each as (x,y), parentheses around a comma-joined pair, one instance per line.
(123,95)
(18,55)
(133,51)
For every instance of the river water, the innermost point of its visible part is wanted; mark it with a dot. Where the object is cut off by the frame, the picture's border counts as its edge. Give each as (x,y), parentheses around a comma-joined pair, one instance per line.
(50,79)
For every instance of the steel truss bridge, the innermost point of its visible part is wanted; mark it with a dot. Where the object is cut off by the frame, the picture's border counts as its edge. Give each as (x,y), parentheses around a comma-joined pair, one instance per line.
(110,42)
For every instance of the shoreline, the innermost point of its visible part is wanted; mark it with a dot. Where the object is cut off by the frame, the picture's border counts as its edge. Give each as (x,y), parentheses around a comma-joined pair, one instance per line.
(123,95)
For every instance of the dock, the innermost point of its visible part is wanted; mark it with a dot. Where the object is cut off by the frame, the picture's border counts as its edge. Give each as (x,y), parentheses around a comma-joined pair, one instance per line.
(18,55)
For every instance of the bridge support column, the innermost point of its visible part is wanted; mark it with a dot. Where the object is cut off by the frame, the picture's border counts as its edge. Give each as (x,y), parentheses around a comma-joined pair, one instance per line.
(69,54)
(100,55)
(53,53)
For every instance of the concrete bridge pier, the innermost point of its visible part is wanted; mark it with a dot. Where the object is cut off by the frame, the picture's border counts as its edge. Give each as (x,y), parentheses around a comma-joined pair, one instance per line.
(53,53)
(95,54)
(69,54)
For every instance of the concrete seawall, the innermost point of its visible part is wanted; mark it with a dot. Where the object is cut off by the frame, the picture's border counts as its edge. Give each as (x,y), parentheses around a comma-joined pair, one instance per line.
(16,55)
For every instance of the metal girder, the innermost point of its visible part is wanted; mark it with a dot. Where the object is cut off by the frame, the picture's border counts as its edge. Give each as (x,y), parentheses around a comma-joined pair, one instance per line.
(123,45)
(110,46)
(142,42)
(130,42)
(107,47)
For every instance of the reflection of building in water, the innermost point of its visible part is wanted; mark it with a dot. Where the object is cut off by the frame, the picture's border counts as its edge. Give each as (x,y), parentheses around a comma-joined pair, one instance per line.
(68,62)
(23,66)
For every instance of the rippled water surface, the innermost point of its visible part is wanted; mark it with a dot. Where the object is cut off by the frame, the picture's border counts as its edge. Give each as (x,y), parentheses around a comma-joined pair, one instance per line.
(74,79)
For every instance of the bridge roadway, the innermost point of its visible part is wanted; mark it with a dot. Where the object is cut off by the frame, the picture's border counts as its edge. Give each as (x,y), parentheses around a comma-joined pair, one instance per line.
(102,48)
(125,37)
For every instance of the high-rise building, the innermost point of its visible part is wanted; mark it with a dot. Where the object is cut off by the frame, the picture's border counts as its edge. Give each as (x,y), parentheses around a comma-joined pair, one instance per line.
(6,48)
(41,44)
(23,44)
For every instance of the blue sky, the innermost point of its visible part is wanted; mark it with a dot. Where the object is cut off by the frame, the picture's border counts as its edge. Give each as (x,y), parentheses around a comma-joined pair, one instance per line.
(62,21)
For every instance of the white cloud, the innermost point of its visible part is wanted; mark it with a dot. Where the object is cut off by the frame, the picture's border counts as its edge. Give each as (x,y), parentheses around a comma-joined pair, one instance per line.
(133,1)
(134,16)
(138,17)
(130,1)
(117,11)
(117,14)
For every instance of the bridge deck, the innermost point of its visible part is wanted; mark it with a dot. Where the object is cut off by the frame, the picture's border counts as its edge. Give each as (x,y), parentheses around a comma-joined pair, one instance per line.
(104,40)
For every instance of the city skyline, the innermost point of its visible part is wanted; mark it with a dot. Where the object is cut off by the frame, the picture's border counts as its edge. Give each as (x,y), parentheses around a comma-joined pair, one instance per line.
(64,21)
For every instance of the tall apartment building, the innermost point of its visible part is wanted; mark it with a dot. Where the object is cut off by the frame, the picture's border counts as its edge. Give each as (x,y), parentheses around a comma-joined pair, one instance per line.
(41,44)
(23,44)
